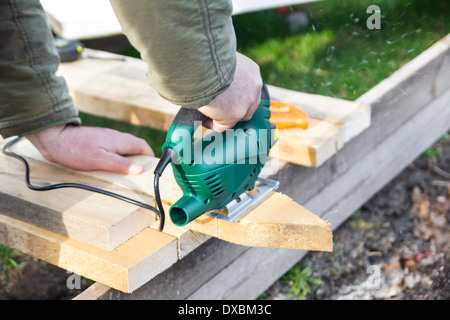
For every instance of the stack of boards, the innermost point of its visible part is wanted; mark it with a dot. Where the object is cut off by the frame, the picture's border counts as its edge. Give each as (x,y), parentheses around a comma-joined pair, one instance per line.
(118,244)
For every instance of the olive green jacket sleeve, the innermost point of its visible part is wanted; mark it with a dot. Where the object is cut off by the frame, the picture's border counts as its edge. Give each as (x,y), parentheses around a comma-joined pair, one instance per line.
(189,46)
(32,97)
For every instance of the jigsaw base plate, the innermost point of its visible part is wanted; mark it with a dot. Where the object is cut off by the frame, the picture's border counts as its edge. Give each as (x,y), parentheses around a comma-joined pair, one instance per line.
(246,202)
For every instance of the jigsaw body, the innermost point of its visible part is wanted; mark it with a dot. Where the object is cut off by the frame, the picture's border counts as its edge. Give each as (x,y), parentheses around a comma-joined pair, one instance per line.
(218,173)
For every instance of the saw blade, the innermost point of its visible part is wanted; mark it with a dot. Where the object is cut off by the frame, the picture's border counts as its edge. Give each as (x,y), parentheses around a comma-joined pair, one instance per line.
(246,202)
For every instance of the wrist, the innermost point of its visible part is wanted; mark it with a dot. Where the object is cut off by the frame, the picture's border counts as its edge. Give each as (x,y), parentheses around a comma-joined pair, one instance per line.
(45,140)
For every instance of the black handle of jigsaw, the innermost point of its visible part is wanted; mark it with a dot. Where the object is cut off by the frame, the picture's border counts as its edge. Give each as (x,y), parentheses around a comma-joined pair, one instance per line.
(188,116)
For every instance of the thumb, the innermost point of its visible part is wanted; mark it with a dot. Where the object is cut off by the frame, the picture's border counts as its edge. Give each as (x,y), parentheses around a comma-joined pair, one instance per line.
(221,126)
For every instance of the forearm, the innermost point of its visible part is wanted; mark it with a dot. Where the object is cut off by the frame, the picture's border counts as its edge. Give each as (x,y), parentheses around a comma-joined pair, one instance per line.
(189,46)
(32,97)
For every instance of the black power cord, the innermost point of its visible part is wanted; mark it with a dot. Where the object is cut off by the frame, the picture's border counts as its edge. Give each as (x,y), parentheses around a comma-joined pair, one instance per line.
(166,158)
(159,212)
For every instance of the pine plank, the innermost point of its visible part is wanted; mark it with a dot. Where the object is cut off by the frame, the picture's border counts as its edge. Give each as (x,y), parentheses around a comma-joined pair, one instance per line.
(320,142)
(293,227)
(127,268)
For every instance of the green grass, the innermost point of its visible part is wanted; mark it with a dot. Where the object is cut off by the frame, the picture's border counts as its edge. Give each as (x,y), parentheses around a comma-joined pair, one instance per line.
(433,152)
(301,281)
(357,223)
(8,257)
(336,54)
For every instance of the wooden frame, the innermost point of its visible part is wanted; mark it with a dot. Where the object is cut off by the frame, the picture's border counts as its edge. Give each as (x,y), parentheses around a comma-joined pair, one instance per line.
(413,101)
(416,94)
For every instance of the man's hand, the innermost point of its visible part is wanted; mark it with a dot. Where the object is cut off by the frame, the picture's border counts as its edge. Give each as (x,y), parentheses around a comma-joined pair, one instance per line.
(239,101)
(90,148)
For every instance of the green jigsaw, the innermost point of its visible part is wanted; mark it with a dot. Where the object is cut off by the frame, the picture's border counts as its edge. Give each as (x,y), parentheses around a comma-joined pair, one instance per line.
(218,173)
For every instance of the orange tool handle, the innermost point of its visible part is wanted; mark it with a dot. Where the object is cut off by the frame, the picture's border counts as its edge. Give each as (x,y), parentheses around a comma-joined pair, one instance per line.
(285,115)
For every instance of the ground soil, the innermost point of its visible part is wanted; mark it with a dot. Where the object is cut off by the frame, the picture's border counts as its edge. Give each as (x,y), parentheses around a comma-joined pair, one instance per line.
(395,247)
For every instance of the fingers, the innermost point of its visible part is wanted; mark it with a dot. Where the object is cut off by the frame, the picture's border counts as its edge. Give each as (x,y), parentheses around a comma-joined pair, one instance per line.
(236,114)
(219,127)
(127,144)
(113,162)
(101,159)
(110,155)
(240,100)
(253,108)
(91,148)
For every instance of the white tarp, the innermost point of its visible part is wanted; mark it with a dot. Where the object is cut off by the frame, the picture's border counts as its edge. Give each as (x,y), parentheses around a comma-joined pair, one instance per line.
(86,19)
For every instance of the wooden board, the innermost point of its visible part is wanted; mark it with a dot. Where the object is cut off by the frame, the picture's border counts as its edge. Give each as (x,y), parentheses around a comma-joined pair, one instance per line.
(119,90)
(126,268)
(268,226)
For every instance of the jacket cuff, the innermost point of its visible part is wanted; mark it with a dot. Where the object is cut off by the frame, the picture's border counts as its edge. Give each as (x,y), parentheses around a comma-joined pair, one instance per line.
(46,120)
